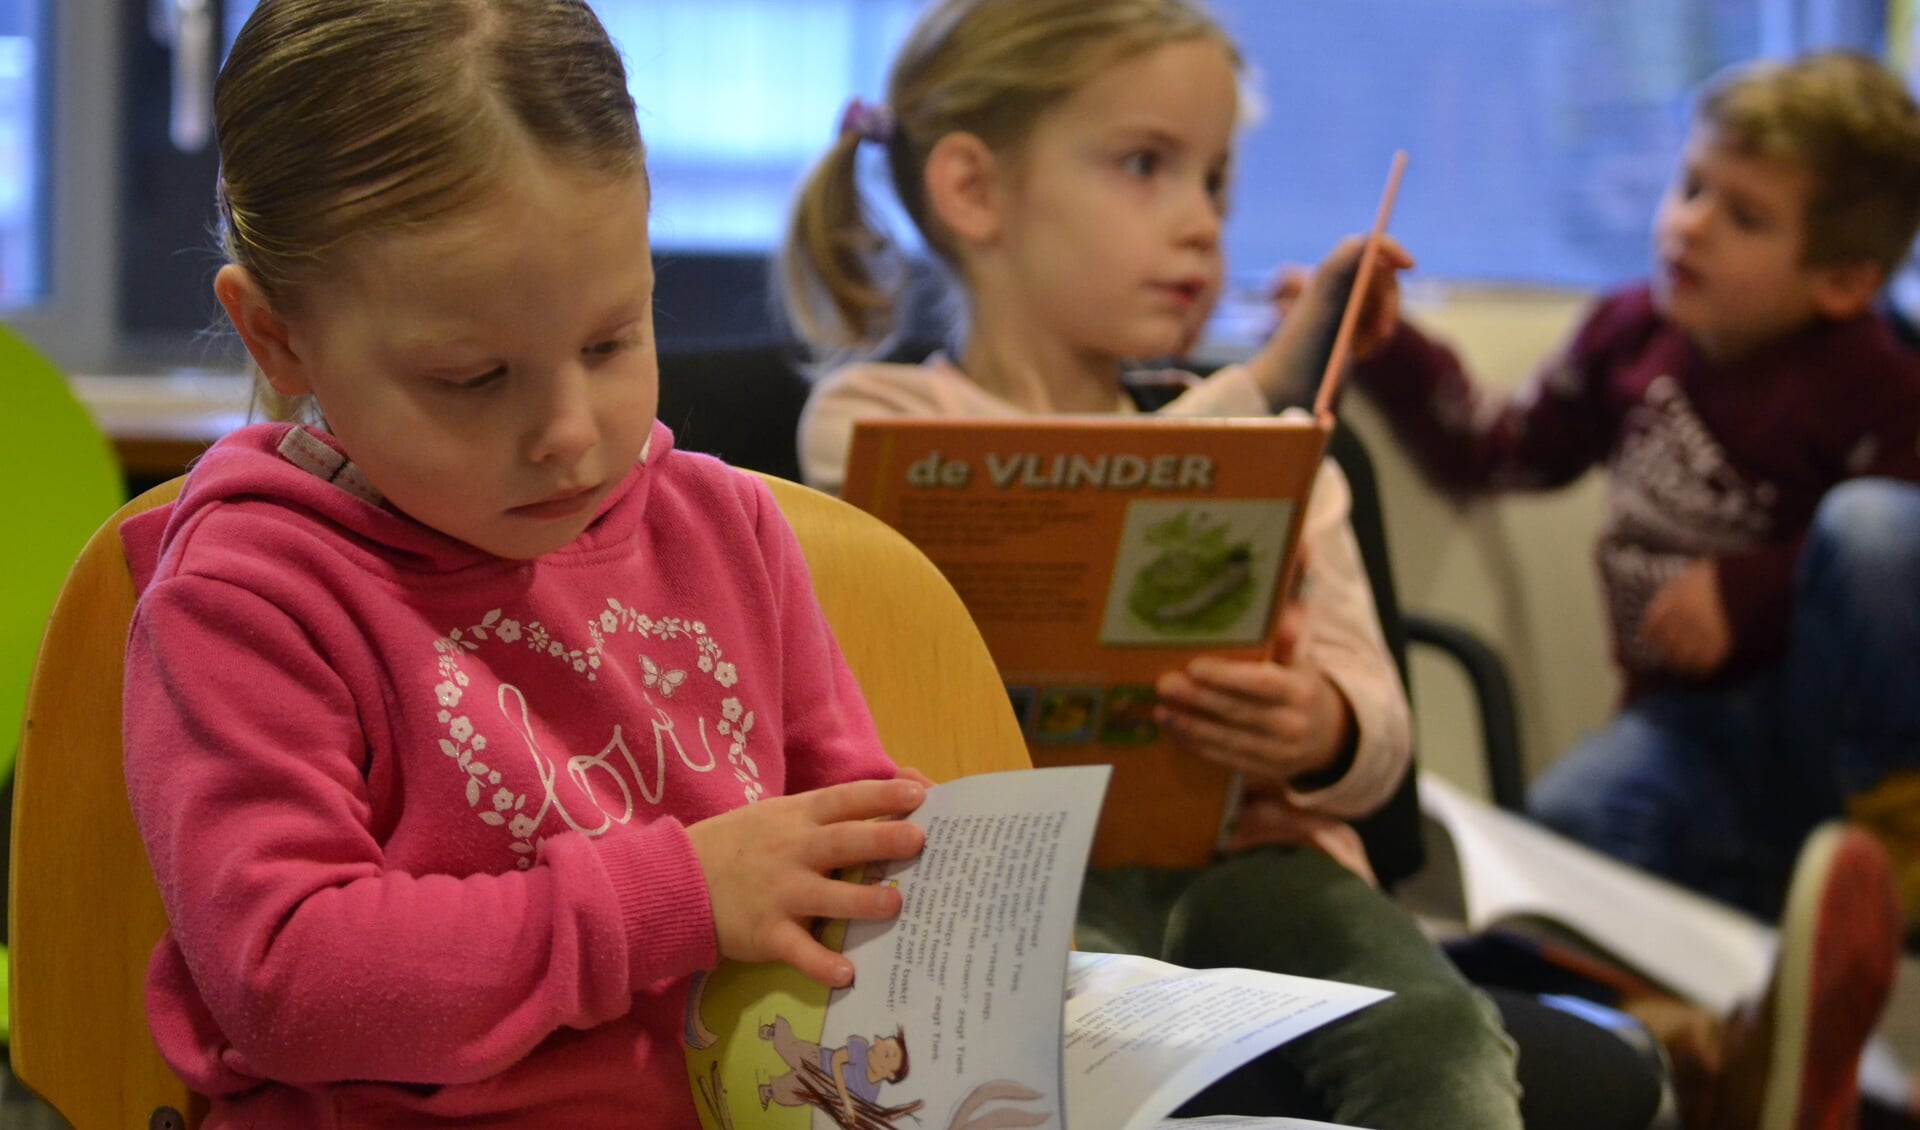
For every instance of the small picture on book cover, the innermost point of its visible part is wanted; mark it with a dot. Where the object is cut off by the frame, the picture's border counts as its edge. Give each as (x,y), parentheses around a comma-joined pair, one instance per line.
(1196,571)
(1066,714)
(1127,718)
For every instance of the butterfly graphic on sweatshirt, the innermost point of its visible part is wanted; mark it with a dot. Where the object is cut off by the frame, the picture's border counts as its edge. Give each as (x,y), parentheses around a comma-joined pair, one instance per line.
(662,681)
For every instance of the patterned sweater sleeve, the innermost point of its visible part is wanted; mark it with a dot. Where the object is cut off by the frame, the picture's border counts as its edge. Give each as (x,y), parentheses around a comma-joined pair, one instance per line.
(1866,422)
(244,762)
(1544,434)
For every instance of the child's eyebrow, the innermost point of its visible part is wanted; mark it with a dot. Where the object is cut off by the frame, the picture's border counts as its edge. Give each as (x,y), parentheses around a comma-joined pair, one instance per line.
(418,343)
(1159,136)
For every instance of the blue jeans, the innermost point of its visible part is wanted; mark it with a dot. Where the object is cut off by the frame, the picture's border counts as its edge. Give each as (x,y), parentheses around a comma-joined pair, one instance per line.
(1715,787)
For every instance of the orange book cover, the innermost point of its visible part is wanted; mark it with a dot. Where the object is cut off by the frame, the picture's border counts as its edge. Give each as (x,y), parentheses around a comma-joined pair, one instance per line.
(1096,553)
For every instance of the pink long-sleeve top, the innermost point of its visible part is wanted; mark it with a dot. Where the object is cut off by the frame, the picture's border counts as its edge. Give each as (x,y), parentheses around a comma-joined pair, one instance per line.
(419,814)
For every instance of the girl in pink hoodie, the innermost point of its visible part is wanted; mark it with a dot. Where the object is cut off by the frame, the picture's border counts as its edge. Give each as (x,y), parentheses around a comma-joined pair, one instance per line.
(462,731)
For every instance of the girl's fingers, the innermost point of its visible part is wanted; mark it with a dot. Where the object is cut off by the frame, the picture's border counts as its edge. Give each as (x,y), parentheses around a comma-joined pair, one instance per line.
(1199,701)
(1392,254)
(854,842)
(1264,684)
(800,949)
(909,773)
(864,800)
(1225,746)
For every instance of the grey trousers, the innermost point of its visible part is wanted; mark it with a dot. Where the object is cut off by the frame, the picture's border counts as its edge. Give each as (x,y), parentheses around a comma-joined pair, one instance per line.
(1431,1057)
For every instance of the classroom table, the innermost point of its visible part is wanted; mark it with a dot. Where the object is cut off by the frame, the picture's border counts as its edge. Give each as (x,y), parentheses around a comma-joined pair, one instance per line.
(160,423)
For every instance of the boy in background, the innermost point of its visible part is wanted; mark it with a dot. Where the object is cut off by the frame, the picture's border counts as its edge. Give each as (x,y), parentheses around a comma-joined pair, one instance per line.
(1760,552)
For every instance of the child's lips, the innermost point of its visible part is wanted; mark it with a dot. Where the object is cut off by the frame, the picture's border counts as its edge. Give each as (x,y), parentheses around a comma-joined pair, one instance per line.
(563,504)
(1186,293)
(1681,277)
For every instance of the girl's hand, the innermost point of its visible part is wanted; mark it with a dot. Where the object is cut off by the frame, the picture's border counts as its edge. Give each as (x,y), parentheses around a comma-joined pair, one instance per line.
(1325,294)
(909,773)
(1289,366)
(1686,625)
(767,865)
(1272,720)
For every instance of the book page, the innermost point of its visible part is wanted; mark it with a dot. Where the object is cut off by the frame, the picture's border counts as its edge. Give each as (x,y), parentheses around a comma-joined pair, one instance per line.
(1096,554)
(955,1005)
(1702,950)
(1143,1036)
(1511,867)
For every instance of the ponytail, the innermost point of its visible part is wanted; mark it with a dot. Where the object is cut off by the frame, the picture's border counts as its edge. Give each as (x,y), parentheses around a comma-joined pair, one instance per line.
(985,67)
(841,275)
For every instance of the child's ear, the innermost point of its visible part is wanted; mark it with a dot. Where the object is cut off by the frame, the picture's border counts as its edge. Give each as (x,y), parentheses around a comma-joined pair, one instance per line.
(962,181)
(1846,290)
(264,332)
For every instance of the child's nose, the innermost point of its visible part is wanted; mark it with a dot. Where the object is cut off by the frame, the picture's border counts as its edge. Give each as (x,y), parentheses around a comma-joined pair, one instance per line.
(1200,219)
(1694,216)
(565,428)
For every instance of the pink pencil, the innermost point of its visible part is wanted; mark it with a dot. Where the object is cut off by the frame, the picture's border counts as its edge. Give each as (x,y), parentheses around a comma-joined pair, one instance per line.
(1343,340)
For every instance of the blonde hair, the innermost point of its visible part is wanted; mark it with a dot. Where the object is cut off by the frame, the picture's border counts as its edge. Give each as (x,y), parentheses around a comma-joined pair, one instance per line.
(1853,126)
(340,120)
(984,67)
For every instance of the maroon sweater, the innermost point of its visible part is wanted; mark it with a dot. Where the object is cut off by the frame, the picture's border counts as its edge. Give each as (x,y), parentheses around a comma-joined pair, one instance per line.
(1705,461)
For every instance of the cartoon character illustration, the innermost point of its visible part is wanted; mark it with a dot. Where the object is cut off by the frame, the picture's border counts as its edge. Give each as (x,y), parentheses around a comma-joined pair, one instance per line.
(1200,581)
(713,1094)
(844,1082)
(695,1032)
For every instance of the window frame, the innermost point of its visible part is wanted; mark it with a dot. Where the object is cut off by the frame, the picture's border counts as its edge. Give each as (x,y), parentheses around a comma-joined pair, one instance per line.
(76,320)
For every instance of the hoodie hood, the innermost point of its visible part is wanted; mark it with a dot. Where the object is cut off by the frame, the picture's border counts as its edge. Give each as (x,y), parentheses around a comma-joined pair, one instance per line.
(305,469)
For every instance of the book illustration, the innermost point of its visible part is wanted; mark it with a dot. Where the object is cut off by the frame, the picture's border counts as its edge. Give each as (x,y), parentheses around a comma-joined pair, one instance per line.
(1126,715)
(1196,573)
(1066,714)
(968,1012)
(845,1081)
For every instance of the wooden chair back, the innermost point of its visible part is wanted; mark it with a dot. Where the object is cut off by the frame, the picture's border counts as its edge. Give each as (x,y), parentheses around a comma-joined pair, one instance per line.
(83,913)
(935,694)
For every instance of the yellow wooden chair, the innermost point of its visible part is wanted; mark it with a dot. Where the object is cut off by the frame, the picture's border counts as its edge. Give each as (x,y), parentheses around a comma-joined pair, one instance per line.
(85,915)
(53,444)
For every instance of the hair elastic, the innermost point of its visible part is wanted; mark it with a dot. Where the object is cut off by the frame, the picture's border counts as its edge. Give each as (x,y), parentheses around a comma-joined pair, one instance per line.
(868,121)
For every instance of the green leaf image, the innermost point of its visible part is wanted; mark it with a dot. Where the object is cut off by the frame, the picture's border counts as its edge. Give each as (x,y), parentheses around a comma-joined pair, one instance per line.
(1200,583)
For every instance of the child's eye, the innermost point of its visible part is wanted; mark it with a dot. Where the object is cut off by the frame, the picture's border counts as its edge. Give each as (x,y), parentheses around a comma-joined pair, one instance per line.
(1217,190)
(1142,163)
(485,379)
(600,350)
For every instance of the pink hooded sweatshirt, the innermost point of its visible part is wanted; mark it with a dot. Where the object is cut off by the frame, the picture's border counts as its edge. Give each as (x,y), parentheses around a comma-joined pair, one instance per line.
(419,814)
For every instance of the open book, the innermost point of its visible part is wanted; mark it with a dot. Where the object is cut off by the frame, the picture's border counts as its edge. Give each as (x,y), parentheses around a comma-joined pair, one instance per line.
(1096,553)
(955,1019)
(1513,871)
